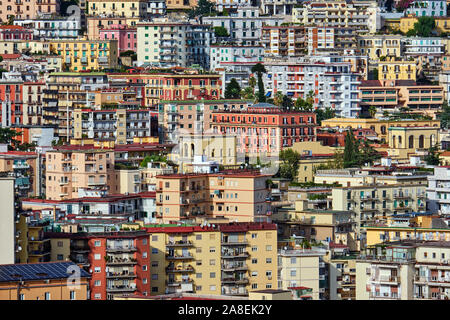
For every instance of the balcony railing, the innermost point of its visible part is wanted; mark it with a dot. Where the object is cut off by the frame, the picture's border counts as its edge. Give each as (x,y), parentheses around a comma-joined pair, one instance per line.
(121,288)
(242,255)
(121,275)
(121,249)
(174,283)
(235,243)
(181,257)
(180,243)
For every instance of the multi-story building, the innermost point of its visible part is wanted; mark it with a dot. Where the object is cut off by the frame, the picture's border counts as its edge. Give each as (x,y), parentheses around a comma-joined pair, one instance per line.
(123,8)
(51,27)
(174,44)
(120,125)
(226,56)
(438,191)
(393,69)
(233,194)
(428,52)
(342,275)
(27,10)
(264,129)
(126,36)
(429,8)
(332,82)
(284,40)
(11,96)
(43,281)
(192,116)
(408,141)
(245,25)
(85,55)
(376,46)
(95,23)
(7,226)
(72,168)
(230,259)
(301,268)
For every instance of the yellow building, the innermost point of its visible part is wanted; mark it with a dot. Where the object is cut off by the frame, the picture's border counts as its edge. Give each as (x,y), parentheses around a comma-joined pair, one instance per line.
(379,126)
(391,69)
(407,23)
(83,54)
(407,141)
(121,8)
(376,46)
(377,235)
(229,259)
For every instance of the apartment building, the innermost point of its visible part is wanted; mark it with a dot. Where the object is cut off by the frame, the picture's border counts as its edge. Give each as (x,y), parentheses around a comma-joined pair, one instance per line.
(231,4)
(126,36)
(72,168)
(302,267)
(7,228)
(87,55)
(342,275)
(25,167)
(364,16)
(392,69)
(34,246)
(166,43)
(245,25)
(334,84)
(230,259)
(265,129)
(284,40)
(11,96)
(43,281)
(407,141)
(189,117)
(438,191)
(119,125)
(232,194)
(123,8)
(373,203)
(119,262)
(320,38)
(94,23)
(51,27)
(429,8)
(181,4)
(32,103)
(28,10)
(391,95)
(154,87)
(376,46)
(427,52)
(227,55)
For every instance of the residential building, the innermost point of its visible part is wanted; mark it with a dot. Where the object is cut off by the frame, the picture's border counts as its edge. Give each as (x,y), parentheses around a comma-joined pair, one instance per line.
(284,40)
(96,22)
(126,36)
(392,69)
(28,10)
(430,8)
(51,27)
(377,46)
(43,281)
(265,129)
(87,55)
(407,141)
(427,52)
(7,217)
(72,168)
(233,194)
(174,44)
(438,191)
(122,8)
(227,55)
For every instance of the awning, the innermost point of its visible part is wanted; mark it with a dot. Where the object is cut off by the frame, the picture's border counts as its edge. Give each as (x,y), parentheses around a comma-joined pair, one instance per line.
(268,94)
(290,93)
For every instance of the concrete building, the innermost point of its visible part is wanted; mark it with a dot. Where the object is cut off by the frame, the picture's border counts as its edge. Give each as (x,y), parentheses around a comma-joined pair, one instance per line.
(438,191)
(429,8)
(407,141)
(51,27)
(227,56)
(28,10)
(126,36)
(121,8)
(284,40)
(7,216)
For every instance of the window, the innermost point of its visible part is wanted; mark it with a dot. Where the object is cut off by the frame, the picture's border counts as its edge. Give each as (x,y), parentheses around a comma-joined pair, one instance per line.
(144,268)
(425,254)
(97,270)
(154,238)
(254,235)
(254,286)
(97,283)
(434,255)
(47,296)
(198,275)
(154,289)
(97,243)
(268,248)
(60,257)
(72,295)
(212,288)
(269,273)
(293,260)
(98,296)
(154,264)
(268,260)
(144,241)
(254,248)
(97,256)
(212,275)
(21,296)
(60,244)
(155,276)
(212,262)
(198,237)
(269,286)
(198,288)
(293,273)
(212,249)
(144,255)
(254,261)
(154,251)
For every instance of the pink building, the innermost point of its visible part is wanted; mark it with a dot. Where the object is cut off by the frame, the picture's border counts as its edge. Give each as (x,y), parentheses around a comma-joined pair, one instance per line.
(29,9)
(10,32)
(125,35)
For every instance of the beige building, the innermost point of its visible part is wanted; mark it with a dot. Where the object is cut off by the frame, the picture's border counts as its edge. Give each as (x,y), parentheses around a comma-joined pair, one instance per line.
(121,8)
(233,194)
(7,227)
(407,141)
(300,268)
(70,169)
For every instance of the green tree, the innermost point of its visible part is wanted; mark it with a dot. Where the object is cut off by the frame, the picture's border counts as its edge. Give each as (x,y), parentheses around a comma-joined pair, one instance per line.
(432,158)
(252,83)
(221,32)
(204,7)
(424,27)
(278,98)
(372,111)
(247,93)
(321,114)
(7,136)
(445,115)
(233,90)
(351,150)
(289,164)
(303,105)
(259,70)
(287,103)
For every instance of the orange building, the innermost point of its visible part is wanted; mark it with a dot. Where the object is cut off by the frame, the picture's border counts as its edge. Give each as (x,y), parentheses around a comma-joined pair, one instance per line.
(43,281)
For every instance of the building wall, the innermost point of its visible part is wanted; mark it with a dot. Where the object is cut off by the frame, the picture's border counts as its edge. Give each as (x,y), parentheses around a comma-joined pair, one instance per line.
(7,227)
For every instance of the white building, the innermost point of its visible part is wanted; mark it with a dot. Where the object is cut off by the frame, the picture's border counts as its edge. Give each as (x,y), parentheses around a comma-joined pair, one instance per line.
(51,27)
(226,56)
(7,218)
(438,191)
(429,8)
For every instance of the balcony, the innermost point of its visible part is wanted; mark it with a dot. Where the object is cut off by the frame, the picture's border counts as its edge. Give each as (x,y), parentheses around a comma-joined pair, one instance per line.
(120,275)
(121,262)
(180,243)
(122,288)
(235,243)
(243,255)
(181,269)
(234,267)
(181,257)
(235,281)
(121,249)
(79,248)
(174,283)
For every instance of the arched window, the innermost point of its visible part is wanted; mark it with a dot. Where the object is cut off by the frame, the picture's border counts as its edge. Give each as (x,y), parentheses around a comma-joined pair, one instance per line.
(432,140)
(411,142)
(393,142)
(383,129)
(421,140)
(192,150)
(399,141)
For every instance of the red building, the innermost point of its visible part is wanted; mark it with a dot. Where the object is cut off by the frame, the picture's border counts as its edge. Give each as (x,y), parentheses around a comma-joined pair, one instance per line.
(119,262)
(11,102)
(265,128)
(11,32)
(336,138)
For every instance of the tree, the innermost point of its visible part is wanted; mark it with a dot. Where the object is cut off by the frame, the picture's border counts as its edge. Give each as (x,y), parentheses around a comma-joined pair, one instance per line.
(424,26)
(445,115)
(321,114)
(247,93)
(303,105)
(252,83)
(287,103)
(278,98)
(221,32)
(259,70)
(7,136)
(350,150)
(204,7)
(372,111)
(411,33)
(432,158)
(289,165)
(233,90)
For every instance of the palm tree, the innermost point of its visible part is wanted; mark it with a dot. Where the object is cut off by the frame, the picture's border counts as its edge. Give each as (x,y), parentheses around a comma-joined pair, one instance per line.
(278,98)
(247,93)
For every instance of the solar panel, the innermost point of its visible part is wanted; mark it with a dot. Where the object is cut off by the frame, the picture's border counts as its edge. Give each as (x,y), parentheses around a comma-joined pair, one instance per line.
(37,271)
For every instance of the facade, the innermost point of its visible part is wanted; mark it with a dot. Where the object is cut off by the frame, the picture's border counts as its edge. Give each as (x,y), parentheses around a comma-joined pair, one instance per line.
(405,142)
(29,10)
(7,227)
(70,169)
(171,44)
(397,70)
(126,36)
(430,8)
(234,195)
(43,281)
(226,56)
(438,196)
(123,8)
(284,40)
(51,27)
